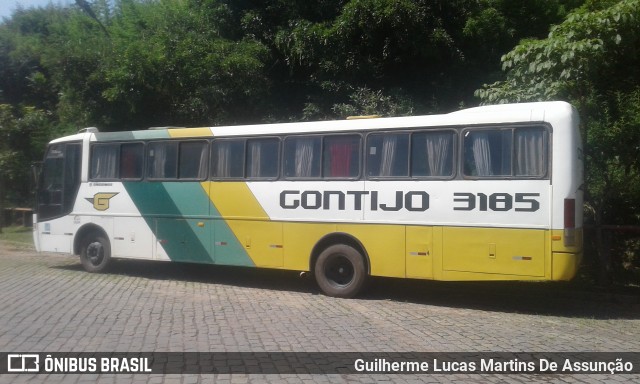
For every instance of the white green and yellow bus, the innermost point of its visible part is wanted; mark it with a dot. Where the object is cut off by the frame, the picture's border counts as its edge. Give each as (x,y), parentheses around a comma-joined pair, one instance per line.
(487,193)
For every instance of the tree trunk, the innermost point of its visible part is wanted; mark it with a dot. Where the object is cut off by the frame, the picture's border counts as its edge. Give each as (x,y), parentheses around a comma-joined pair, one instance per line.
(603,248)
(1,202)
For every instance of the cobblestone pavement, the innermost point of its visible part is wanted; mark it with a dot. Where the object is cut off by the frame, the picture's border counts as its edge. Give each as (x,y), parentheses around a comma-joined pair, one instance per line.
(49,304)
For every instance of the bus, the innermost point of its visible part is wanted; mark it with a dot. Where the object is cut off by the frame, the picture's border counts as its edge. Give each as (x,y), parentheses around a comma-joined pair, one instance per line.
(486,193)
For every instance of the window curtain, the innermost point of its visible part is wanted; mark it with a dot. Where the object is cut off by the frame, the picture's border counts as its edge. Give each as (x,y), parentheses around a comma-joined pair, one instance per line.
(481,153)
(104,161)
(159,161)
(387,159)
(223,156)
(202,168)
(304,158)
(130,160)
(439,148)
(340,152)
(127,164)
(255,165)
(192,160)
(529,152)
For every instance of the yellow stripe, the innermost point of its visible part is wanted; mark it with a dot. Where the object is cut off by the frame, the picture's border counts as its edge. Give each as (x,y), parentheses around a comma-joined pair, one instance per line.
(190,132)
(384,245)
(441,253)
(235,200)
(261,238)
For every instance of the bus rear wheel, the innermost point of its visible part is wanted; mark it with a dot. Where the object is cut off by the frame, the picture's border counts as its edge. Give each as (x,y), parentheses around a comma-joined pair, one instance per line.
(95,253)
(340,271)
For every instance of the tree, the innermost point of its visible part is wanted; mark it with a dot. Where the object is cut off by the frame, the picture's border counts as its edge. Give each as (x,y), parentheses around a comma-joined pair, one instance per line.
(24,133)
(592,60)
(434,53)
(131,64)
(171,66)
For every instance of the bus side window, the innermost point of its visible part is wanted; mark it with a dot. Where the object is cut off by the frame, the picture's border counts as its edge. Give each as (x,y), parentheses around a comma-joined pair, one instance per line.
(162,160)
(341,156)
(193,160)
(487,153)
(388,155)
(530,152)
(131,156)
(227,159)
(302,157)
(262,158)
(432,154)
(516,152)
(104,161)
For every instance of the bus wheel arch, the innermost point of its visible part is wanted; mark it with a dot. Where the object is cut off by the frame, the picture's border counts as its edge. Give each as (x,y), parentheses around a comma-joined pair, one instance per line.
(340,265)
(93,246)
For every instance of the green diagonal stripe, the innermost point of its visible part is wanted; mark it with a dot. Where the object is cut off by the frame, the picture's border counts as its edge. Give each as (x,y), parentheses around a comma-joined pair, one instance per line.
(173,211)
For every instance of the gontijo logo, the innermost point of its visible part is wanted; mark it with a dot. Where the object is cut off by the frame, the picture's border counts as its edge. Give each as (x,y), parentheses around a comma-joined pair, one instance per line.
(100,200)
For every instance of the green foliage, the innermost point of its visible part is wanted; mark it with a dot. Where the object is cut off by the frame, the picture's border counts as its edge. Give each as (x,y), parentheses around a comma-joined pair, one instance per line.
(132,63)
(588,60)
(158,63)
(587,53)
(380,44)
(613,175)
(24,133)
(17,236)
(364,101)
(169,67)
(495,26)
(437,52)
(592,61)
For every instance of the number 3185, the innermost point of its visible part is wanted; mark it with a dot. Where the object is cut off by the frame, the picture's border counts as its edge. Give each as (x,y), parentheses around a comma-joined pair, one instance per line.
(524,202)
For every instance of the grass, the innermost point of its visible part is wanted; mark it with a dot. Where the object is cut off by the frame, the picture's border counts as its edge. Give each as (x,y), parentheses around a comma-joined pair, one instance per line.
(16,234)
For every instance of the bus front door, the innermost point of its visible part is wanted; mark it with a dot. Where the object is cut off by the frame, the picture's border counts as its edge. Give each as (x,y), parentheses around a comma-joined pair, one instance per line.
(56,195)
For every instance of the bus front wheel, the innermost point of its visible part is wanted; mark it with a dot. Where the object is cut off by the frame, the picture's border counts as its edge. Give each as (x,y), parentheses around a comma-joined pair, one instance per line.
(95,254)
(340,271)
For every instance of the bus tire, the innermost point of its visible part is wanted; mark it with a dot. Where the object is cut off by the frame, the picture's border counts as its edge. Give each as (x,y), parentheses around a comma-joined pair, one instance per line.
(340,271)
(95,253)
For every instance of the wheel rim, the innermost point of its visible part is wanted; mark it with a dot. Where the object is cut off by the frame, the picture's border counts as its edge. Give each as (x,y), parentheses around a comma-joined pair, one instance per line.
(95,253)
(339,271)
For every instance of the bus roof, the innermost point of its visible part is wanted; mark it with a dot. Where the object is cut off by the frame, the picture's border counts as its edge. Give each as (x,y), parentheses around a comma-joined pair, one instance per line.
(492,114)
